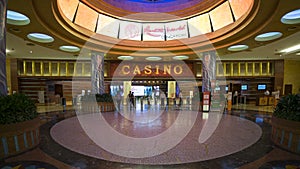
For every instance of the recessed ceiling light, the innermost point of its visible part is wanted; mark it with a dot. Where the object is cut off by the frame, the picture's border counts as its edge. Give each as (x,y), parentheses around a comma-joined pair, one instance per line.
(292,17)
(125,57)
(69,48)
(40,37)
(268,36)
(180,57)
(16,18)
(153,58)
(238,48)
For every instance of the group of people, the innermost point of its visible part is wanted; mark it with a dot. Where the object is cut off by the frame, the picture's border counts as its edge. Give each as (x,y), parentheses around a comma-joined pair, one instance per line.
(131,99)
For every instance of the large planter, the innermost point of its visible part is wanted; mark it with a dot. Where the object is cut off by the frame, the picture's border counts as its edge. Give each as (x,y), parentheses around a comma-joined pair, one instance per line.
(99,106)
(19,137)
(286,134)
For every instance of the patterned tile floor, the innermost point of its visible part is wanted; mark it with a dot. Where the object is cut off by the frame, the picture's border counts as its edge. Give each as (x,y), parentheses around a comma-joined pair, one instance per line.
(258,155)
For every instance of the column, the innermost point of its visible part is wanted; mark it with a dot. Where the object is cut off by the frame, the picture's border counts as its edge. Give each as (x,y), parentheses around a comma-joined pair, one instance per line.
(97,76)
(208,70)
(3,85)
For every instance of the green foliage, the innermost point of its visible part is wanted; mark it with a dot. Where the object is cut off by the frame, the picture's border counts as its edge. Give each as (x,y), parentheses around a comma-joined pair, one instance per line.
(98,97)
(288,108)
(16,108)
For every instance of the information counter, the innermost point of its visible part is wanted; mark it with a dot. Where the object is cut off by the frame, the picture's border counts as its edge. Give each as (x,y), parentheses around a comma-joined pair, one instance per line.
(264,100)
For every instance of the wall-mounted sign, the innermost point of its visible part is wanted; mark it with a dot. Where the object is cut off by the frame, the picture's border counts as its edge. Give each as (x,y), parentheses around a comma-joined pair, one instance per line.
(130,30)
(176,30)
(107,26)
(153,32)
(127,69)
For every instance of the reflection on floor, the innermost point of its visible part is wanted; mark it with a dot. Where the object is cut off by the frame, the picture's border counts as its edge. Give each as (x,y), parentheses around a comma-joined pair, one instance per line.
(262,154)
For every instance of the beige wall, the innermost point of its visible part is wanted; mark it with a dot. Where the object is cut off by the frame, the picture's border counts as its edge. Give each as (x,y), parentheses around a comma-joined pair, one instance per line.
(292,74)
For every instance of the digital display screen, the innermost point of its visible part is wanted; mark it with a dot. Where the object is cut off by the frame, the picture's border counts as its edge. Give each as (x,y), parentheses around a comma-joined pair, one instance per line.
(138,90)
(261,87)
(244,87)
(226,88)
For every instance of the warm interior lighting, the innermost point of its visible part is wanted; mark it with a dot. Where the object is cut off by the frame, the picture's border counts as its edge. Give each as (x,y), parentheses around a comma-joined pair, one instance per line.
(125,57)
(69,48)
(291,49)
(153,58)
(16,18)
(292,17)
(268,36)
(237,48)
(40,37)
(180,57)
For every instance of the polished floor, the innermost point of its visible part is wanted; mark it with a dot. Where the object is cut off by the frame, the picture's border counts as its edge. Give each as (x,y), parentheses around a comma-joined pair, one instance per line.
(240,140)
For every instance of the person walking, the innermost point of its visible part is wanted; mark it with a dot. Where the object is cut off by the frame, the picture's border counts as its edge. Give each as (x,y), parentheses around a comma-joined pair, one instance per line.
(180,98)
(119,99)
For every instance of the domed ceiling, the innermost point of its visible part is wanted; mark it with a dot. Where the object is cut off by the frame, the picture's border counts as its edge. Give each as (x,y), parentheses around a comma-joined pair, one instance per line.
(178,8)
(153,5)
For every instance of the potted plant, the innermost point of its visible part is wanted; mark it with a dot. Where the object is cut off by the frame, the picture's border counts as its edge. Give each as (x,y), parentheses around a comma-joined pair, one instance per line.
(104,102)
(286,123)
(19,124)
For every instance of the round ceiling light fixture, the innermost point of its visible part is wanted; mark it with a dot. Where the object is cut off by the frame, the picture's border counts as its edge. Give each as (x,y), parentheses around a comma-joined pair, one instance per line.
(268,36)
(180,57)
(16,18)
(292,17)
(153,58)
(69,48)
(40,37)
(125,57)
(235,48)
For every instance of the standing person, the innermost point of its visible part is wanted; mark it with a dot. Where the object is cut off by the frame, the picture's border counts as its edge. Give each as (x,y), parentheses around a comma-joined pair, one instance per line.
(162,98)
(180,98)
(129,99)
(132,99)
(119,98)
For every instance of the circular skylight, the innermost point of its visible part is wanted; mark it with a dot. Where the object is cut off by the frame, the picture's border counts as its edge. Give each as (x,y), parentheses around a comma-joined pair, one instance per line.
(292,17)
(268,36)
(125,57)
(16,18)
(238,48)
(39,37)
(180,57)
(153,58)
(69,48)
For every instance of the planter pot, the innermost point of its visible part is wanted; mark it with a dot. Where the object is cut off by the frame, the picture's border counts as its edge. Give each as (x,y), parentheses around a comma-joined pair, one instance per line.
(19,137)
(98,106)
(286,134)
(106,106)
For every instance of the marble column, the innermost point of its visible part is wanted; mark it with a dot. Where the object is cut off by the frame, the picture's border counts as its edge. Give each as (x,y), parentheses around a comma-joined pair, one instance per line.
(97,76)
(3,84)
(208,70)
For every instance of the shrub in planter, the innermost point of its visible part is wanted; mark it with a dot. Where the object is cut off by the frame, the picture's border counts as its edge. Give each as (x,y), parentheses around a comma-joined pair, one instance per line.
(286,123)
(16,108)
(288,108)
(19,125)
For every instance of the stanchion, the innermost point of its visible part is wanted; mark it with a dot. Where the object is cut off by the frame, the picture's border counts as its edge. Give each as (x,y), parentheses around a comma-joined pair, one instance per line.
(229,105)
(142,104)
